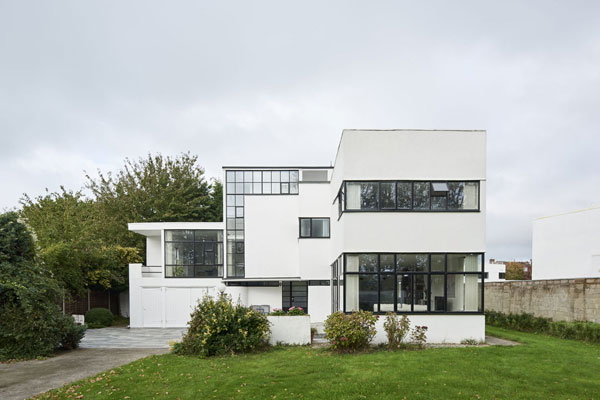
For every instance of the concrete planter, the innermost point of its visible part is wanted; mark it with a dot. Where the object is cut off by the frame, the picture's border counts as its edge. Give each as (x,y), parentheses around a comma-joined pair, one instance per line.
(289,329)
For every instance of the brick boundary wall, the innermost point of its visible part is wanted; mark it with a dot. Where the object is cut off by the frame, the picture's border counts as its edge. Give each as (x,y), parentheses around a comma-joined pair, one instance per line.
(559,299)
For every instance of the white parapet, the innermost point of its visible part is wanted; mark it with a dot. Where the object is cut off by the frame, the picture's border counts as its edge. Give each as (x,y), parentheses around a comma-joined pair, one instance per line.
(290,329)
(441,328)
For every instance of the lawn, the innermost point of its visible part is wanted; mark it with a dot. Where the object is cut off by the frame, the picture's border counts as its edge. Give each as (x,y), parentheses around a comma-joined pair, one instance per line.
(542,367)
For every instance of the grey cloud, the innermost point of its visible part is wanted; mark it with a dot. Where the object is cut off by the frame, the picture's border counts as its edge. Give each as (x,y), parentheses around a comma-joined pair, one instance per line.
(85,84)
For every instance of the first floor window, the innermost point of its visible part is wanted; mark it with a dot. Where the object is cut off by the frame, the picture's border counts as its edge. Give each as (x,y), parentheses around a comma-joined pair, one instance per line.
(413,283)
(314,227)
(193,254)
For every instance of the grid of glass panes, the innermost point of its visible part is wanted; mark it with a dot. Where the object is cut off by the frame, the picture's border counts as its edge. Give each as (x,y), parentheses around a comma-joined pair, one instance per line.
(250,182)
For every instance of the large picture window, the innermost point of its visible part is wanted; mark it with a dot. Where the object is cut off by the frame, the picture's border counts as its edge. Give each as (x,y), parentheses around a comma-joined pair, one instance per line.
(446,196)
(193,254)
(414,283)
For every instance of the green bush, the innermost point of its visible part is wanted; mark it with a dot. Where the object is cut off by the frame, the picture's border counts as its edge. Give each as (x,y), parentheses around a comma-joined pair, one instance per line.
(219,327)
(99,318)
(578,330)
(71,333)
(31,322)
(350,332)
(396,330)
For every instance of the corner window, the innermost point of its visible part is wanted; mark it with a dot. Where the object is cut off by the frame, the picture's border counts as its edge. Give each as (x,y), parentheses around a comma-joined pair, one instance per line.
(314,228)
(446,196)
(414,283)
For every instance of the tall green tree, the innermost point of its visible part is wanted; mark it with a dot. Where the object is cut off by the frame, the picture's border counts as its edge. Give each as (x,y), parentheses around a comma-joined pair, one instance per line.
(154,189)
(86,243)
(68,230)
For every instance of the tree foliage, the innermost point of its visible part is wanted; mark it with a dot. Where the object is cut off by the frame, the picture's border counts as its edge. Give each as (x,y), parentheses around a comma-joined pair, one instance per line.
(32,323)
(69,234)
(85,242)
(154,189)
(514,272)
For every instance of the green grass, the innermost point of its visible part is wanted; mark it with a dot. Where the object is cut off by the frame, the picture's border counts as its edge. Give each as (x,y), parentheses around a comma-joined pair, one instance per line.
(542,367)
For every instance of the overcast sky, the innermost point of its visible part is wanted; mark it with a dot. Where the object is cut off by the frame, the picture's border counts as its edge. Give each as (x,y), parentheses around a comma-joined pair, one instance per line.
(85,84)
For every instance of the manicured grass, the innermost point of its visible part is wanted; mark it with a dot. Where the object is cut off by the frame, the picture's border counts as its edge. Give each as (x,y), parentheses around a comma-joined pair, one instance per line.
(542,367)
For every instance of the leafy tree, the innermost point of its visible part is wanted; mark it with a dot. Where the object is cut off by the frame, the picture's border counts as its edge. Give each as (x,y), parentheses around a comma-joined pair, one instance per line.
(68,230)
(85,242)
(514,272)
(32,323)
(154,189)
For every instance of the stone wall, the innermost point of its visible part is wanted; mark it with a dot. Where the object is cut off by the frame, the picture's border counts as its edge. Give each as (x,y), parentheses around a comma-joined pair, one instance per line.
(559,299)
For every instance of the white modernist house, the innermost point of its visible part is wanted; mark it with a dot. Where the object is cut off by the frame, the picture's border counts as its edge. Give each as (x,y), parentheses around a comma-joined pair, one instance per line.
(567,245)
(396,225)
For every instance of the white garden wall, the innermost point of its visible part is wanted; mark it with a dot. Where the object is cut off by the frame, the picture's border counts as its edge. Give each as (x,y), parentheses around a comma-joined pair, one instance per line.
(290,329)
(442,328)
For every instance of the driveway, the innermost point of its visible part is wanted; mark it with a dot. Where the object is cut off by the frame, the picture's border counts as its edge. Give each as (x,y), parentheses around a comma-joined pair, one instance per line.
(101,349)
(135,338)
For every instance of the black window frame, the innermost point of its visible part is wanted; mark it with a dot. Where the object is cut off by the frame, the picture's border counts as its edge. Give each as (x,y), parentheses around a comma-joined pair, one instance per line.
(343,203)
(195,244)
(310,236)
(429,274)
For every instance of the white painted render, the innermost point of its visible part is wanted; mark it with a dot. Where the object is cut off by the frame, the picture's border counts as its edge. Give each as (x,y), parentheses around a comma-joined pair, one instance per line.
(442,328)
(289,330)
(567,245)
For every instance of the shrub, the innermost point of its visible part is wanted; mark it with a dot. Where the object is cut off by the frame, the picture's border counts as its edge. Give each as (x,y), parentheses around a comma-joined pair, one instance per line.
(396,330)
(32,324)
(98,318)
(296,311)
(350,332)
(418,336)
(71,333)
(578,330)
(219,327)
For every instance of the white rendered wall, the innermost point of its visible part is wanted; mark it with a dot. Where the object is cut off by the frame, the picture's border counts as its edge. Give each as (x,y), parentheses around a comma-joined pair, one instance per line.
(319,303)
(493,271)
(154,251)
(567,245)
(259,296)
(289,330)
(442,328)
(271,235)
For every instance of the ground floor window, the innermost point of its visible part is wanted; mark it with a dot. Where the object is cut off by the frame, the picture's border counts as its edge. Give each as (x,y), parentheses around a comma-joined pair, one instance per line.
(413,283)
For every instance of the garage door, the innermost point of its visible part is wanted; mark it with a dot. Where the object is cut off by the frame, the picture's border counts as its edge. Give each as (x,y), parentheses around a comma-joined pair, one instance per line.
(152,307)
(178,305)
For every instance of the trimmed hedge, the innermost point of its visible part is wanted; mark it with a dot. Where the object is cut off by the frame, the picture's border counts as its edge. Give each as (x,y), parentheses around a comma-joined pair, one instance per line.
(350,332)
(98,318)
(577,330)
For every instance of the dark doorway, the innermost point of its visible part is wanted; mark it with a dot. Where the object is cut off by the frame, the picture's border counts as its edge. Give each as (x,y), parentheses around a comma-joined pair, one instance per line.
(295,294)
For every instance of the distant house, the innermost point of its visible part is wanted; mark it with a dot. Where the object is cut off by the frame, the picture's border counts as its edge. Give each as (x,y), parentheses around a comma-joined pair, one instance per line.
(567,245)
(524,266)
(495,271)
(396,225)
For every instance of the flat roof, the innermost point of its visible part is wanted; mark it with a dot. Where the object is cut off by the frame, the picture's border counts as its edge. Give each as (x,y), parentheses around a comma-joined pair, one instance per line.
(154,228)
(275,167)
(594,207)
